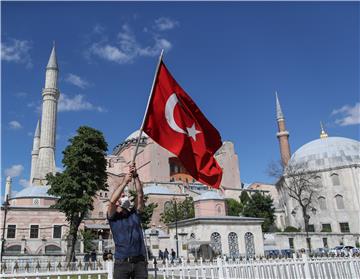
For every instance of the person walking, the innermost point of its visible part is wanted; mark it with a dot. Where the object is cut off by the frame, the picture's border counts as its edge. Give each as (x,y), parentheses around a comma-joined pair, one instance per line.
(125,224)
(105,255)
(166,254)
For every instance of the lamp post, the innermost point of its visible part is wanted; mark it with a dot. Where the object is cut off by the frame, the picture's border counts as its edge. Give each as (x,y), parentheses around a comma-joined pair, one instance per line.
(6,207)
(176,229)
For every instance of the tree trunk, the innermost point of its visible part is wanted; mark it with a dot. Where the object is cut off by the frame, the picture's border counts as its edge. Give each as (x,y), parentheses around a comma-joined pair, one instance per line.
(306,222)
(71,242)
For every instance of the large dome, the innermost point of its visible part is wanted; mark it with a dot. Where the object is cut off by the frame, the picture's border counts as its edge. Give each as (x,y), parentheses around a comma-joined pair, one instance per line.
(327,153)
(33,192)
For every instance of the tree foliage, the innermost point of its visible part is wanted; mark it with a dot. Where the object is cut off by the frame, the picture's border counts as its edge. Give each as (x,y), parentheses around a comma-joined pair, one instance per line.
(84,174)
(87,236)
(233,207)
(176,210)
(244,197)
(260,206)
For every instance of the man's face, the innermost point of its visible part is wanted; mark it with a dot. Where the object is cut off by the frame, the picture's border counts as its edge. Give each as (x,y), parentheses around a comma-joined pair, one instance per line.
(121,199)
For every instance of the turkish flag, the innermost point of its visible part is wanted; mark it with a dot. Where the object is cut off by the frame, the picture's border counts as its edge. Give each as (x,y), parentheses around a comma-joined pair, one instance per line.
(175,122)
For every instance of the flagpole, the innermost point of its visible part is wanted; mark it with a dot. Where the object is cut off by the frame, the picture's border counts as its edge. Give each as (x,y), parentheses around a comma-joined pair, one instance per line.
(147,106)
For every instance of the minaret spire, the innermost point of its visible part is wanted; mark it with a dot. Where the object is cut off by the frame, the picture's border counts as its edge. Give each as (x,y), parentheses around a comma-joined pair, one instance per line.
(282,134)
(46,159)
(323,133)
(52,60)
(279,114)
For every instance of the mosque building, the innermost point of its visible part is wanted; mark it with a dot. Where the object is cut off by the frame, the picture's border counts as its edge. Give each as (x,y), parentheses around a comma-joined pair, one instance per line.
(332,163)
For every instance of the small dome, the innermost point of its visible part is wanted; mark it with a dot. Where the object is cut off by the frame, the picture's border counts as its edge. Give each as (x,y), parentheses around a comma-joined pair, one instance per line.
(135,135)
(156,189)
(327,153)
(209,195)
(34,192)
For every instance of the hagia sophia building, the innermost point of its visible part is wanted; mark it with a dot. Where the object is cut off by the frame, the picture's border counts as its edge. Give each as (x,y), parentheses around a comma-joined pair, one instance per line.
(32,228)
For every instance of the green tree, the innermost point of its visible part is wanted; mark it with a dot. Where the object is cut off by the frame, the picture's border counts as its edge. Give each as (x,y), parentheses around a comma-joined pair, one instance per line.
(84,174)
(87,237)
(178,210)
(233,207)
(244,197)
(261,206)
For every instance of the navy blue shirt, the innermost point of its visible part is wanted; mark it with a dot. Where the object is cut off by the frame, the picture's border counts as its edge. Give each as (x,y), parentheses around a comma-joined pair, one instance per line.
(127,233)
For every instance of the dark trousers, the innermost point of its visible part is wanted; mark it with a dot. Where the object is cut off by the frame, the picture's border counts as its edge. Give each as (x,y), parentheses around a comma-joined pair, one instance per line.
(126,270)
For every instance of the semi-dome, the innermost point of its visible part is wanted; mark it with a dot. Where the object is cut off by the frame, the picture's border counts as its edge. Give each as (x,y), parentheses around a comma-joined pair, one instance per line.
(209,195)
(329,152)
(135,135)
(157,190)
(34,192)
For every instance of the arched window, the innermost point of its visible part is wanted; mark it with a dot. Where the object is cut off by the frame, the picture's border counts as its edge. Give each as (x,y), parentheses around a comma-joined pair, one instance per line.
(249,245)
(218,208)
(339,202)
(335,179)
(322,203)
(233,245)
(215,242)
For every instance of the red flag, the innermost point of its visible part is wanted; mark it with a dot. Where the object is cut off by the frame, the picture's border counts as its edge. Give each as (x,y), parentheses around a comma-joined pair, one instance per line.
(175,122)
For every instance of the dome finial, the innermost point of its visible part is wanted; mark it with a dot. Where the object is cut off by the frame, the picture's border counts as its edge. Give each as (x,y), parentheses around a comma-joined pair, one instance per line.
(323,134)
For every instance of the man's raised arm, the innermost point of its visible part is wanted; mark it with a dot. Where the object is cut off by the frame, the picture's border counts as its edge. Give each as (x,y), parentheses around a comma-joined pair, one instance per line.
(139,190)
(117,193)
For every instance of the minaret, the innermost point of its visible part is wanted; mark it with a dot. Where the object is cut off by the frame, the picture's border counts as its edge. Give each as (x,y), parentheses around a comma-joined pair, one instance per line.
(50,94)
(323,133)
(282,134)
(35,152)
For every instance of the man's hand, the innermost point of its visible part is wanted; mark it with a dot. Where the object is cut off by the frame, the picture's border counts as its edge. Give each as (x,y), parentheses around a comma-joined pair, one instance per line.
(133,170)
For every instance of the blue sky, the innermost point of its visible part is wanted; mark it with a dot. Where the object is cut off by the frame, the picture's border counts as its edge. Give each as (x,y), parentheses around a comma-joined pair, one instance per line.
(229,56)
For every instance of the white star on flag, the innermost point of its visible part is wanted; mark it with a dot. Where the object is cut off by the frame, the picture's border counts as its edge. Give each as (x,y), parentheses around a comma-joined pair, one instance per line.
(192,131)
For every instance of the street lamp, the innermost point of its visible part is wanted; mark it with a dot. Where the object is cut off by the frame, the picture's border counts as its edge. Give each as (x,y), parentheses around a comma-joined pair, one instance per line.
(176,229)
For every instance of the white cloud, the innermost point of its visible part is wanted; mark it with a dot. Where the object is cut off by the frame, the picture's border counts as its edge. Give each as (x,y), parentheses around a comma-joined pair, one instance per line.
(127,48)
(110,53)
(77,103)
(165,23)
(14,125)
(77,81)
(24,182)
(349,115)
(14,170)
(16,51)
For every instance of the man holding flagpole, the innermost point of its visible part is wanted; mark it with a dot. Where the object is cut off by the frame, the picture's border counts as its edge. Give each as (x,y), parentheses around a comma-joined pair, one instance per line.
(125,223)
(173,120)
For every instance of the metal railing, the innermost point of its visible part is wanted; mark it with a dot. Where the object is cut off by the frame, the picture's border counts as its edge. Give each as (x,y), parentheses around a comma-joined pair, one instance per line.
(285,268)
